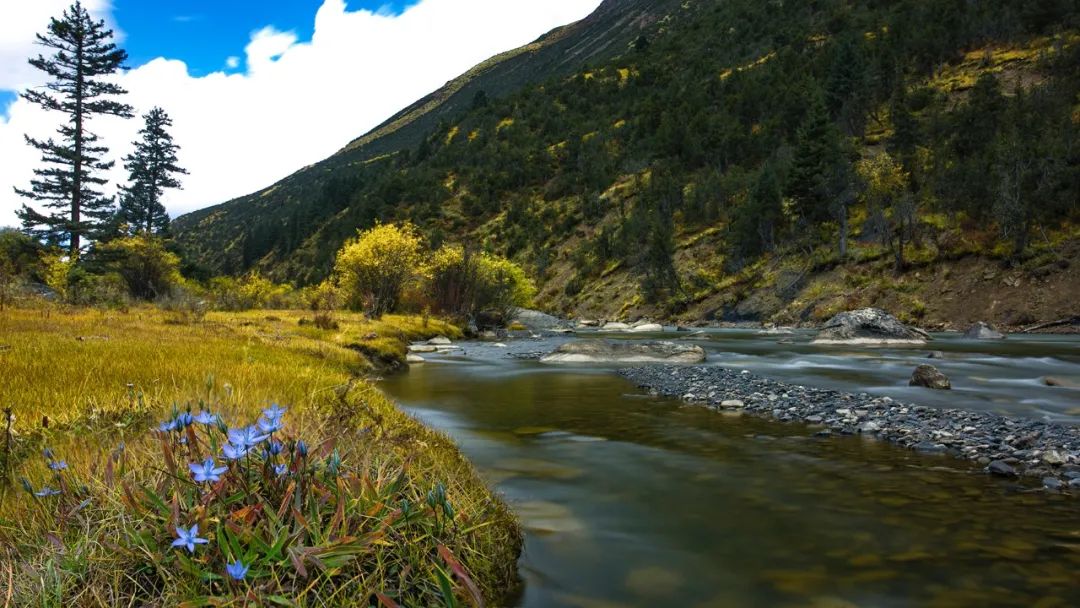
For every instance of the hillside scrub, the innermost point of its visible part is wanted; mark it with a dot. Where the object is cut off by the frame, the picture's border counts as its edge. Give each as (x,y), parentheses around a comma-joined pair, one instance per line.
(379,504)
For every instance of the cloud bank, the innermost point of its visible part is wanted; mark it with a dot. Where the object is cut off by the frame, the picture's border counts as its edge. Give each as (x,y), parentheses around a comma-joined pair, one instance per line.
(294,103)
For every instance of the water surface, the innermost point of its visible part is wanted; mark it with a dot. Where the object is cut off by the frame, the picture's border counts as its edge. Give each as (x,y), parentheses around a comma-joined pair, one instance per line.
(635,501)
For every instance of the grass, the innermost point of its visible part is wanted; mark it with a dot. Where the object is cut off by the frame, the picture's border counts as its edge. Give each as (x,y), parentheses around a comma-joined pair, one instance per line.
(84,381)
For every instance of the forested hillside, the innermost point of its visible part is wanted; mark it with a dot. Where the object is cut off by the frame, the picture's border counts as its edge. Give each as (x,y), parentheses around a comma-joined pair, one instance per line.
(723,160)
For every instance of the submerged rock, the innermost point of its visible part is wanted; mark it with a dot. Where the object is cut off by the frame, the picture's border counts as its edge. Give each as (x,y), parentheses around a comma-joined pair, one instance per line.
(536,320)
(615,326)
(1001,469)
(411,359)
(604,351)
(983,331)
(868,326)
(930,377)
(647,327)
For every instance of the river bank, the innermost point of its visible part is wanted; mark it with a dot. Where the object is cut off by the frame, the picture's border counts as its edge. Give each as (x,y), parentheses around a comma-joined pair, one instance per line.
(1005,446)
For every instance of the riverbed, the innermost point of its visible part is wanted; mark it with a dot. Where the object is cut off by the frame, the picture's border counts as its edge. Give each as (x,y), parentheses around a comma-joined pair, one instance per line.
(632,500)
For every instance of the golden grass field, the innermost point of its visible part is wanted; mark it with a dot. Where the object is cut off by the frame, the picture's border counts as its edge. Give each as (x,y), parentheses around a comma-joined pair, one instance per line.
(82,381)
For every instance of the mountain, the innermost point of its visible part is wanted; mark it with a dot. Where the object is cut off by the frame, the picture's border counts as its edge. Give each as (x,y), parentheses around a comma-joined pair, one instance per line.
(726,160)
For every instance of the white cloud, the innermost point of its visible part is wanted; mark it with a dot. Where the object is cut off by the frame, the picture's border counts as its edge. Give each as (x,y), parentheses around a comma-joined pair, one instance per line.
(232,62)
(297,102)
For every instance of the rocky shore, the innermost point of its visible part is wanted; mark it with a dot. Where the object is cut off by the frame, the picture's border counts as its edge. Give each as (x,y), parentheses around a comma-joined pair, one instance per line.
(1009,447)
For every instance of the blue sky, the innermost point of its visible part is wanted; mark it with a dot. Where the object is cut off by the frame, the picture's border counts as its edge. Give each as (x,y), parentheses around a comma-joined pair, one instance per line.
(204,33)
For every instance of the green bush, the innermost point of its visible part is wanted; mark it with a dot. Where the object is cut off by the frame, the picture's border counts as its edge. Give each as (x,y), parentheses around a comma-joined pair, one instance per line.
(148,269)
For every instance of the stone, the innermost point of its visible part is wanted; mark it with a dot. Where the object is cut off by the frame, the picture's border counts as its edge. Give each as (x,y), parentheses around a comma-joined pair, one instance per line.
(1052,381)
(1001,469)
(615,326)
(929,377)
(868,326)
(937,354)
(647,327)
(605,351)
(536,320)
(1052,483)
(588,323)
(411,359)
(1053,457)
(983,331)
(440,341)
(422,348)
(732,403)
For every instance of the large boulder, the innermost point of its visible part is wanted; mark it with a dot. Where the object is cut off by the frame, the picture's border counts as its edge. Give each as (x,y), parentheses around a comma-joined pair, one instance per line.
(930,377)
(536,320)
(868,326)
(606,351)
(983,331)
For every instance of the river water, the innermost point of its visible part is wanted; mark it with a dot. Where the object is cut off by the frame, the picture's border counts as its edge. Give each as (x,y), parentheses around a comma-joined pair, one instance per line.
(630,500)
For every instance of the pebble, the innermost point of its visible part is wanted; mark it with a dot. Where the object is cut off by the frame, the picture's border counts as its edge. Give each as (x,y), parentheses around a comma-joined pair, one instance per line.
(1005,446)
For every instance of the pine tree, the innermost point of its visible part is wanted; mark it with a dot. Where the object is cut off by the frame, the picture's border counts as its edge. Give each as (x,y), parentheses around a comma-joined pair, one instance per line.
(151,169)
(68,185)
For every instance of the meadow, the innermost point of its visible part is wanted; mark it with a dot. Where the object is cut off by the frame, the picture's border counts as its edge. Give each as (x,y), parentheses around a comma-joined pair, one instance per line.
(378,510)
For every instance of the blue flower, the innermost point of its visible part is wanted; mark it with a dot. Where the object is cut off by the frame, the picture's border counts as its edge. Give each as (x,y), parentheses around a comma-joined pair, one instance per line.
(58,465)
(237,570)
(206,471)
(275,448)
(246,437)
(205,417)
(184,420)
(168,425)
(280,469)
(270,425)
(274,412)
(46,491)
(48,453)
(188,538)
(301,448)
(233,452)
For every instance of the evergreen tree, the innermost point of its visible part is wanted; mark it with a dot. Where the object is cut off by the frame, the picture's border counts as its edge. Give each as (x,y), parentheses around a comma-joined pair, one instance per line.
(151,169)
(68,186)
(820,181)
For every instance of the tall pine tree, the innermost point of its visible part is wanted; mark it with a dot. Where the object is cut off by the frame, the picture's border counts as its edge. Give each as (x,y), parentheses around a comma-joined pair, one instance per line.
(68,185)
(152,168)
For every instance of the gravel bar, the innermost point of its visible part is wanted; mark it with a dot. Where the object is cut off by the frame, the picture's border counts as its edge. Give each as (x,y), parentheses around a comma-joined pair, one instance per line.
(1007,447)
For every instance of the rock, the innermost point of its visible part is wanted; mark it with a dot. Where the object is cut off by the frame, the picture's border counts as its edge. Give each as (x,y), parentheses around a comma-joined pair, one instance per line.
(1074,483)
(1052,483)
(588,323)
(930,377)
(776,331)
(1001,469)
(536,320)
(499,345)
(422,348)
(615,326)
(868,326)
(1053,457)
(732,403)
(982,331)
(937,354)
(604,351)
(647,327)
(440,341)
(1052,381)
(411,359)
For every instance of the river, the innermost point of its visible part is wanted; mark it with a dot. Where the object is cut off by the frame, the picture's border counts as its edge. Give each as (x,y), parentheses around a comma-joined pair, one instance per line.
(631,500)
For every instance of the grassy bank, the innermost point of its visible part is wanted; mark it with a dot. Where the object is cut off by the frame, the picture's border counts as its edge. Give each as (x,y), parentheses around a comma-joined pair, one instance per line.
(85,382)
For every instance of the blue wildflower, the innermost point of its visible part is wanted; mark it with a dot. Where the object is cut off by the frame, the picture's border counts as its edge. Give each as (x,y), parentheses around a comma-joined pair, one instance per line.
(184,420)
(45,492)
(237,570)
(205,417)
(168,425)
(58,465)
(270,425)
(301,448)
(280,469)
(234,452)
(274,412)
(246,437)
(275,448)
(206,471)
(188,538)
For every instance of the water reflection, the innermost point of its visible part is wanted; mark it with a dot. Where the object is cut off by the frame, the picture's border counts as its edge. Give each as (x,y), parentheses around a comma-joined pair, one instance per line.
(644,502)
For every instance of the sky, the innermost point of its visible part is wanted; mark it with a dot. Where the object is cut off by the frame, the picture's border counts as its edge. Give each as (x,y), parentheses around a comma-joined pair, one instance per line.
(260,89)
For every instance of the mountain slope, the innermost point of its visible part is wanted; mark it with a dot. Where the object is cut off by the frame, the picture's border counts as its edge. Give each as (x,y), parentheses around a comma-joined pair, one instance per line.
(725,159)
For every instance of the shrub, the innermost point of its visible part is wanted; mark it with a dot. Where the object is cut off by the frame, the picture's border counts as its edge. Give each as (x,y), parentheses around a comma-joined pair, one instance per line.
(465,284)
(503,286)
(251,515)
(248,292)
(148,269)
(377,266)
